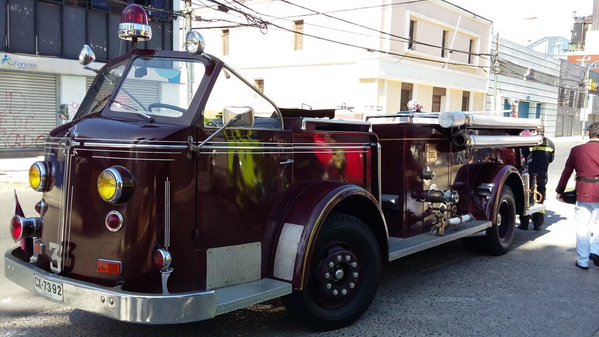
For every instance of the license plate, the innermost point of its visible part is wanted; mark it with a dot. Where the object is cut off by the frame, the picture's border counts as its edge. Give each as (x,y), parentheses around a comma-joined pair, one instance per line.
(49,289)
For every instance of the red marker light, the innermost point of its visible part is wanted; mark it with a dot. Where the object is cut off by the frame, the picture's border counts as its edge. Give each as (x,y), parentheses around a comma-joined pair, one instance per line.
(22,228)
(134,14)
(110,267)
(114,221)
(162,259)
(134,24)
(16,228)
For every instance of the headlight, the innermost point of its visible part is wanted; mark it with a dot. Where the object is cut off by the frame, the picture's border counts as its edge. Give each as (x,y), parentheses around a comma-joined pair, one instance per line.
(38,176)
(194,43)
(115,184)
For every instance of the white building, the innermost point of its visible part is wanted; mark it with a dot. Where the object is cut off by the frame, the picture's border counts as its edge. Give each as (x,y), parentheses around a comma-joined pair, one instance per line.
(372,56)
(529,80)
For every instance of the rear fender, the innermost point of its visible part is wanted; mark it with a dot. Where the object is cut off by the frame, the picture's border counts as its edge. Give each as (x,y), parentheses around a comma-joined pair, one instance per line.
(489,183)
(305,217)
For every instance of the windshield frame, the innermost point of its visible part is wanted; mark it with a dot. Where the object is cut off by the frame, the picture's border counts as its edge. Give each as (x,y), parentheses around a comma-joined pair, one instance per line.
(92,96)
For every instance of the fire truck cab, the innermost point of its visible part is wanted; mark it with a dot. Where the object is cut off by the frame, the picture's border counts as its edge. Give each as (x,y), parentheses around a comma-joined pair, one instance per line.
(180,192)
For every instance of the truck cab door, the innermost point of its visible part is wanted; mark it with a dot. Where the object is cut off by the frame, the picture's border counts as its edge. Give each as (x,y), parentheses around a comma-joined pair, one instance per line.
(244,171)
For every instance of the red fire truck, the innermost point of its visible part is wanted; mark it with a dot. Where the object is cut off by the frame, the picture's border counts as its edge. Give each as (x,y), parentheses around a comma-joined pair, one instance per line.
(180,192)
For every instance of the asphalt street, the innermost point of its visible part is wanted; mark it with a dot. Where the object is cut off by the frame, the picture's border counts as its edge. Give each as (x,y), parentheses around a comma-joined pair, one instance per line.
(534,290)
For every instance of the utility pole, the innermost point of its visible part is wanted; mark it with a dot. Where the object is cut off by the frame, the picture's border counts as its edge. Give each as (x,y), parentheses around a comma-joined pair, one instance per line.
(495,68)
(187,13)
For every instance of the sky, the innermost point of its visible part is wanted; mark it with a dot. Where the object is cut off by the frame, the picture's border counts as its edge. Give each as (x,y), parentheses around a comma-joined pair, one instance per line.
(526,21)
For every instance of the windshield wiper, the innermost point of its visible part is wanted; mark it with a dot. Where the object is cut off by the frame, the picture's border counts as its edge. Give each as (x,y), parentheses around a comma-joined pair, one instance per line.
(134,111)
(100,102)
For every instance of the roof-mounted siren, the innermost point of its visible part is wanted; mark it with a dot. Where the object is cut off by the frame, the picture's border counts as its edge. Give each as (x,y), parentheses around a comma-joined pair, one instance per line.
(134,25)
(194,43)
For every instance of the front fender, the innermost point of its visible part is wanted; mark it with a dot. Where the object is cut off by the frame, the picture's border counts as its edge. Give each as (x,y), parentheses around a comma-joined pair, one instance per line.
(305,217)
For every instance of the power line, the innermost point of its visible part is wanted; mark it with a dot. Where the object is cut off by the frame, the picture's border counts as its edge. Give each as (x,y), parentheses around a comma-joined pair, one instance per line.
(252,19)
(401,38)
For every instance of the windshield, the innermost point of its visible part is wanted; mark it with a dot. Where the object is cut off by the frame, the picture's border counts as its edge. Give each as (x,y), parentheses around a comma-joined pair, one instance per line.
(101,90)
(154,88)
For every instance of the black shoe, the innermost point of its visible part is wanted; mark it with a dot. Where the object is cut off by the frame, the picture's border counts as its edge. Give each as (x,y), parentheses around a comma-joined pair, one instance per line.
(538,228)
(595,259)
(524,228)
(581,267)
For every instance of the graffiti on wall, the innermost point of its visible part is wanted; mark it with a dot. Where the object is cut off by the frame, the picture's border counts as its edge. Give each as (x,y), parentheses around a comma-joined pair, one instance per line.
(16,129)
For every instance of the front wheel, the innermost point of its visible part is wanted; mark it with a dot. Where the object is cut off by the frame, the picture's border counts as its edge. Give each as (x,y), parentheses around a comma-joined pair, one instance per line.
(344,273)
(500,236)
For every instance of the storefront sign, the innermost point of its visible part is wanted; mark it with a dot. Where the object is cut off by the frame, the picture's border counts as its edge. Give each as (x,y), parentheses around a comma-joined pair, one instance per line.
(8,61)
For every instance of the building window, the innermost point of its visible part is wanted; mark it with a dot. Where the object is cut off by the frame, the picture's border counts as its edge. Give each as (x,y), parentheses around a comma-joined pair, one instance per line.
(298,28)
(412,34)
(444,44)
(438,94)
(561,96)
(225,42)
(470,51)
(465,100)
(259,84)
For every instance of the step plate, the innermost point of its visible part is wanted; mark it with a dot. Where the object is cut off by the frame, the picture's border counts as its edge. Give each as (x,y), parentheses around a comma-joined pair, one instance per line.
(399,247)
(246,294)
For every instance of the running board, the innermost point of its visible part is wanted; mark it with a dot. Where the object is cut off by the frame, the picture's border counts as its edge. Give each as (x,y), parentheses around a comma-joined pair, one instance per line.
(399,247)
(246,294)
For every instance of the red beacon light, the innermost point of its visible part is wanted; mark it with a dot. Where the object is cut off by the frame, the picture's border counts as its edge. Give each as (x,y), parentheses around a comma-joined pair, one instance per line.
(134,24)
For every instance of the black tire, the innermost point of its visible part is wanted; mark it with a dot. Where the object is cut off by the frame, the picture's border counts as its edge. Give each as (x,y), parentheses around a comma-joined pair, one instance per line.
(500,236)
(537,220)
(344,275)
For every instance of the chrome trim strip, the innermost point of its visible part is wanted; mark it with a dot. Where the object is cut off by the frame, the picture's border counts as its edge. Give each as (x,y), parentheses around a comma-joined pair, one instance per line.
(137,152)
(332,121)
(380,173)
(136,146)
(68,225)
(134,159)
(167,213)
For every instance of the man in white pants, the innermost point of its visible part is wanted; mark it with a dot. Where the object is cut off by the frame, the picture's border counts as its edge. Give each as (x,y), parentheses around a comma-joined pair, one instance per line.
(584,159)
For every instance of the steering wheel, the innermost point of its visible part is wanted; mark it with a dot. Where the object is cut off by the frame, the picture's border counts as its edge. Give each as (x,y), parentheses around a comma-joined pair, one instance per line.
(157,105)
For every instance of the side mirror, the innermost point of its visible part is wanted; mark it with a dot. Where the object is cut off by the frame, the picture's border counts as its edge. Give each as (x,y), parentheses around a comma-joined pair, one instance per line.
(63,112)
(238,116)
(86,56)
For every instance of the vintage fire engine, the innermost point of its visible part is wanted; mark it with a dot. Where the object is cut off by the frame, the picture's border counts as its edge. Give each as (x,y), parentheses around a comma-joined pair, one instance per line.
(179,192)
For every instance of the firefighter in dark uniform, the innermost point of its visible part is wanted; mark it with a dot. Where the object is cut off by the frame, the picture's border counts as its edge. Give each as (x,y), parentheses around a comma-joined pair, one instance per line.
(584,159)
(539,157)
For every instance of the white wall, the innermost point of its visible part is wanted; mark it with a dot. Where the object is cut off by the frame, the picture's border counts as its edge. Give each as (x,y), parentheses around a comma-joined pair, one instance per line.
(72,91)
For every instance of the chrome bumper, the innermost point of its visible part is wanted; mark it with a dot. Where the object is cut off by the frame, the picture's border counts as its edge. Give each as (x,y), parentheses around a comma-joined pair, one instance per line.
(116,303)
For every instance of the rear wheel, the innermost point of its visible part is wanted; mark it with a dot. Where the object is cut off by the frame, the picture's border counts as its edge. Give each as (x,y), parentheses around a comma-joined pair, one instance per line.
(344,273)
(501,235)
